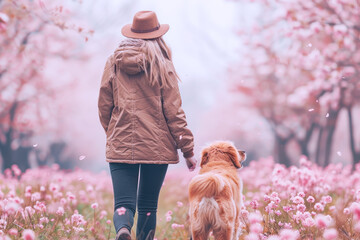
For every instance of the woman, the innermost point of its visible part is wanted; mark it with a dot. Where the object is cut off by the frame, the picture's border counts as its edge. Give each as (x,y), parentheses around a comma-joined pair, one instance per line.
(140,111)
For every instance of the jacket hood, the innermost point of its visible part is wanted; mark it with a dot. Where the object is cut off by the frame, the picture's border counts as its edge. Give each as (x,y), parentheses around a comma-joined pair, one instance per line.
(129,57)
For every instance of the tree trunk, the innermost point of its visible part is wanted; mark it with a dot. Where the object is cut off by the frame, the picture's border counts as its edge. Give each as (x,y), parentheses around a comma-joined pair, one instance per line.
(355,154)
(319,146)
(330,128)
(6,154)
(304,143)
(280,153)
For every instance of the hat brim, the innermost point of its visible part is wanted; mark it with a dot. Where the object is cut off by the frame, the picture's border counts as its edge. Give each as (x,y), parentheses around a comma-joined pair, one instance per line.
(126,31)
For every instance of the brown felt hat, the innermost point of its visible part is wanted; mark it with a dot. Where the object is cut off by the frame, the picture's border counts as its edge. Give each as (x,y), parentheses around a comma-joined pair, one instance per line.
(145,25)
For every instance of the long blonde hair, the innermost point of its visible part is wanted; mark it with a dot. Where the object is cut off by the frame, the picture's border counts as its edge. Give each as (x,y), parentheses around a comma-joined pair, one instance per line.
(157,60)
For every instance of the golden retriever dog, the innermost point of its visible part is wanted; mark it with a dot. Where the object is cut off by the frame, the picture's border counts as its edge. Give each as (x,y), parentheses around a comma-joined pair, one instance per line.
(215,194)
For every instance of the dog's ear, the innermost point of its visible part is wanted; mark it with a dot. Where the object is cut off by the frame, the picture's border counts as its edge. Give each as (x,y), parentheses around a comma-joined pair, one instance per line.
(204,156)
(242,155)
(234,157)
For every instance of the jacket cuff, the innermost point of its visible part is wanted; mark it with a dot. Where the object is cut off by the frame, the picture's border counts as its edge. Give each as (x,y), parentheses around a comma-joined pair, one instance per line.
(188,154)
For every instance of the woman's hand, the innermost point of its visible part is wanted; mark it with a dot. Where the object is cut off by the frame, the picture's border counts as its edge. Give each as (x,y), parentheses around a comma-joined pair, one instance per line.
(191,163)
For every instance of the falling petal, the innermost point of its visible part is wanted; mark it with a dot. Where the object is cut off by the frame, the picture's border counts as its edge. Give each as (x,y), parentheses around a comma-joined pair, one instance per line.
(339,153)
(317,100)
(311,109)
(35,145)
(327,115)
(180,137)
(82,157)
(148,214)
(309,45)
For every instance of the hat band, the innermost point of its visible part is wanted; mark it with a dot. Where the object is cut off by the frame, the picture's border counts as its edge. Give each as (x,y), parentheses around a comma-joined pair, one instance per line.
(145,31)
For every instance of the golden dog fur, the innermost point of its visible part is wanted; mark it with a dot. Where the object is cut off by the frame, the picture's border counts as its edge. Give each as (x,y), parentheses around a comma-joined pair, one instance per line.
(215,194)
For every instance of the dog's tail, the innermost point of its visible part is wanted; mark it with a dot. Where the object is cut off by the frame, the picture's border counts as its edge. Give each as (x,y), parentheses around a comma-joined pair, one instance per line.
(206,185)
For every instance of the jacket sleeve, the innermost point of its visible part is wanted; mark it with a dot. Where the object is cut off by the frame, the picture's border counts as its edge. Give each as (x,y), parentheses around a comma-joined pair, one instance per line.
(176,120)
(105,100)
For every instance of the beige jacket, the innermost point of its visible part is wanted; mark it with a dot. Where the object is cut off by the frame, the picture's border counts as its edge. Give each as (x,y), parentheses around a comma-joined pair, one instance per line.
(143,123)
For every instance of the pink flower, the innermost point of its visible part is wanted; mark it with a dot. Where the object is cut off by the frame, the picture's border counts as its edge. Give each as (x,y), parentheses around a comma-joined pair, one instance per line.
(310,199)
(322,221)
(308,222)
(298,200)
(13,231)
(60,211)
(355,209)
(330,234)
(252,236)
(319,207)
(255,217)
(287,234)
(103,213)
(316,27)
(328,199)
(94,205)
(256,228)
(108,221)
(301,207)
(301,194)
(121,211)
(28,234)
(28,189)
(346,211)
(340,29)
(273,237)
(176,226)
(179,204)
(254,204)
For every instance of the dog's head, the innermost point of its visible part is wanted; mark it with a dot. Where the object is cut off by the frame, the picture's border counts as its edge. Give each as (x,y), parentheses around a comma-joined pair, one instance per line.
(223,151)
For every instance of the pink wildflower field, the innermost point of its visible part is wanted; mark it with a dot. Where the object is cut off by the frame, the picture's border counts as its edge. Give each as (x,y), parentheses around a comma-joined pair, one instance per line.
(304,202)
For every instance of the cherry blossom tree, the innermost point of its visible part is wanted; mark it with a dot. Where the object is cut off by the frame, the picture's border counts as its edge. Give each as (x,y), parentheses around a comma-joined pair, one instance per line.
(32,33)
(301,70)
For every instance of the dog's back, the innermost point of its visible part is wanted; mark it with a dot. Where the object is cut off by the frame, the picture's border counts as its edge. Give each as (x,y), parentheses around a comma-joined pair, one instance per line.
(215,194)
(210,196)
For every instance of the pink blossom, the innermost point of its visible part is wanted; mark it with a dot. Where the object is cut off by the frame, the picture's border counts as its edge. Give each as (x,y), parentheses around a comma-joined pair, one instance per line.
(319,207)
(298,200)
(301,194)
(177,226)
(301,207)
(287,234)
(355,209)
(316,27)
(60,211)
(94,205)
(255,217)
(310,199)
(121,210)
(328,199)
(321,221)
(340,29)
(28,234)
(252,236)
(256,228)
(308,222)
(346,211)
(273,237)
(330,234)
(13,231)
(254,204)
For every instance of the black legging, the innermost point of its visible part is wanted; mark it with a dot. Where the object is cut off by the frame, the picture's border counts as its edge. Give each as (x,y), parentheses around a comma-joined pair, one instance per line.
(125,179)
